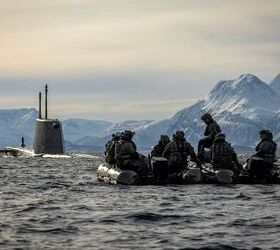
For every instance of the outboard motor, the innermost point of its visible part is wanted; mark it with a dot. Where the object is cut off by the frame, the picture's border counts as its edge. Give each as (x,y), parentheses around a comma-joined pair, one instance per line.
(160,168)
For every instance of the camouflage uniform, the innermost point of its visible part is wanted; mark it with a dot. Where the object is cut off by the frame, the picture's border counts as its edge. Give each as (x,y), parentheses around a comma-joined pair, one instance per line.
(222,154)
(177,152)
(260,164)
(266,149)
(110,149)
(126,155)
(211,130)
(159,148)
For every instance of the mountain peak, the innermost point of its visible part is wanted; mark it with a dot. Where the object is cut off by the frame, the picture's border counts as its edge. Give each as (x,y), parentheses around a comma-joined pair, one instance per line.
(243,95)
(245,85)
(248,77)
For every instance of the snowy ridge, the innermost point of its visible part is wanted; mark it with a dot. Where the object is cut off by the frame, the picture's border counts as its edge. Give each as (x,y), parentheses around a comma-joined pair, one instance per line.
(241,106)
(247,96)
(16,123)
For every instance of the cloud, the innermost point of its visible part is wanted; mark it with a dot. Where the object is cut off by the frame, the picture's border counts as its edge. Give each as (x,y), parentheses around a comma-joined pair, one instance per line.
(134,50)
(84,36)
(118,111)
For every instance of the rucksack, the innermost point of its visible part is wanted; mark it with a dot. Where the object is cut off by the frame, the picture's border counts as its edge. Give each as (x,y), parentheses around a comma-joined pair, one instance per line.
(110,152)
(221,153)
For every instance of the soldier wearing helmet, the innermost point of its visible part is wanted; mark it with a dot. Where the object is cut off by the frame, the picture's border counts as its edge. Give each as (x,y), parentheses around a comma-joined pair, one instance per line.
(126,155)
(159,148)
(260,164)
(222,154)
(266,148)
(211,130)
(177,152)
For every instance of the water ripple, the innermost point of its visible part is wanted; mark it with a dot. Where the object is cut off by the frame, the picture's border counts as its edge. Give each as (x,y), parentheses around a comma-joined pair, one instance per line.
(59,204)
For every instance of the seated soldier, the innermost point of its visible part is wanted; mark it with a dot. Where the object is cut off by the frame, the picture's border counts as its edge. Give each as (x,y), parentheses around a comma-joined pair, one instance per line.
(177,152)
(126,155)
(222,155)
(266,148)
(159,148)
(110,149)
(266,151)
(211,130)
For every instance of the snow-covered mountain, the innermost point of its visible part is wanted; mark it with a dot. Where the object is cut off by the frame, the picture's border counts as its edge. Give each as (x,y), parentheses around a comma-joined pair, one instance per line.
(99,139)
(75,129)
(242,107)
(16,123)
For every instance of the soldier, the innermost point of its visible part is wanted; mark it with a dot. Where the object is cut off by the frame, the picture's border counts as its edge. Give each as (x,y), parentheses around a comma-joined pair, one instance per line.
(211,130)
(126,155)
(159,148)
(177,152)
(222,154)
(260,164)
(110,149)
(266,149)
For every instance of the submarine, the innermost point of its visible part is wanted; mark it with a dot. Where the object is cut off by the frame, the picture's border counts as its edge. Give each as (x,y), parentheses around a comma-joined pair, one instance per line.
(48,135)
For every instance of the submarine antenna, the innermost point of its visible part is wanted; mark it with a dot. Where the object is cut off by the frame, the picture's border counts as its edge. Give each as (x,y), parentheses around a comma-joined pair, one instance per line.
(40,105)
(46,102)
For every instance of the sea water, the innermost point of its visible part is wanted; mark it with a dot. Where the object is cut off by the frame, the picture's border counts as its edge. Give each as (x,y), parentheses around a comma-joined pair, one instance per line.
(57,203)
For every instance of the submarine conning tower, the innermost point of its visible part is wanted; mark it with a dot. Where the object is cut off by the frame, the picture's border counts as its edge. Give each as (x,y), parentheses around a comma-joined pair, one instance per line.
(48,137)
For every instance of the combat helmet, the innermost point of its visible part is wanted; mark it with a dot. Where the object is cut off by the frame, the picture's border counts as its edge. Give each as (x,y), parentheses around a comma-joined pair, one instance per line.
(127,134)
(179,134)
(206,116)
(267,134)
(116,136)
(164,139)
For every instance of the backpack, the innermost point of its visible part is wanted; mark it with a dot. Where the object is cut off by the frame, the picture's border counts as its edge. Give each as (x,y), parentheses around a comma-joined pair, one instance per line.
(221,154)
(110,152)
(178,153)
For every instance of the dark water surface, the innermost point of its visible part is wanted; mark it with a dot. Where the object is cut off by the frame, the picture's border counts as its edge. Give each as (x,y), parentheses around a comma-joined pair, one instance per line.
(59,204)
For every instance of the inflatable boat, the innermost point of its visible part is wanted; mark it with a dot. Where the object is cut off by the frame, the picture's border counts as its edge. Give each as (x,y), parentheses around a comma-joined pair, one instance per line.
(159,174)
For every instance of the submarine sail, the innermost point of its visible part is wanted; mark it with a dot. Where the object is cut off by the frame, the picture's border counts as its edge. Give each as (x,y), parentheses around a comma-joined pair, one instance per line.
(48,136)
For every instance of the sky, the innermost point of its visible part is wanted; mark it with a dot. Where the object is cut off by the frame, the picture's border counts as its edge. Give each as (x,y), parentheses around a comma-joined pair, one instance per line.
(129,59)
